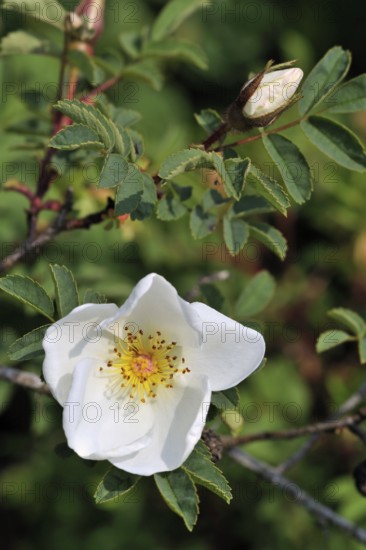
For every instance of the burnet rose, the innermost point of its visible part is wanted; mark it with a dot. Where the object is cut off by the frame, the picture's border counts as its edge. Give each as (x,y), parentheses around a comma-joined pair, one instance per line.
(265,96)
(136,381)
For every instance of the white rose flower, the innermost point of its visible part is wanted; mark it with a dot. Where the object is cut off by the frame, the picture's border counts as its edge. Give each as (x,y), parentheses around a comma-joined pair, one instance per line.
(136,381)
(273,93)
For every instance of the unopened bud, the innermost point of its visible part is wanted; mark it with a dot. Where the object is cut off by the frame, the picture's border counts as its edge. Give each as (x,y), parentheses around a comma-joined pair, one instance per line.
(264,97)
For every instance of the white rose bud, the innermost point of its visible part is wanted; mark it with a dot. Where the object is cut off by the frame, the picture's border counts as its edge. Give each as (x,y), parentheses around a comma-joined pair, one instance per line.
(274,92)
(263,98)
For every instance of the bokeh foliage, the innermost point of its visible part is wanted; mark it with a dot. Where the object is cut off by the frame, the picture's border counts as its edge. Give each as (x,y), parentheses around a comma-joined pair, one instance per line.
(47,497)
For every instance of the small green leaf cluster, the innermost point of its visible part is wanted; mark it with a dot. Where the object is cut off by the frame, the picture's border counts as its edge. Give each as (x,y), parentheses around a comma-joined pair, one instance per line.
(356,332)
(31,293)
(178,488)
(323,89)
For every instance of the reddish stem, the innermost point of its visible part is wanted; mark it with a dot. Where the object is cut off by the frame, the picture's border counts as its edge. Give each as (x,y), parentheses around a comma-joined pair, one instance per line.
(20,188)
(260,136)
(215,136)
(100,89)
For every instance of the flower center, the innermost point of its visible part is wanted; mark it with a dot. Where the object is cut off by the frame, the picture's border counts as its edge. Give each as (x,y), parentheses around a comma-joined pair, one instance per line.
(141,364)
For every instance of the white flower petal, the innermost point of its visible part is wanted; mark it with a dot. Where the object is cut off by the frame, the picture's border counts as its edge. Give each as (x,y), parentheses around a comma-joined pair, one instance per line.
(154,305)
(274,91)
(179,418)
(230,351)
(101,426)
(74,337)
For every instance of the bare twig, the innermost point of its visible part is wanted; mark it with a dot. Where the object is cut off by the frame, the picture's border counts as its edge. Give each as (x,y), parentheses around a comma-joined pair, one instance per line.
(351,403)
(61,224)
(321,512)
(317,428)
(101,88)
(26,379)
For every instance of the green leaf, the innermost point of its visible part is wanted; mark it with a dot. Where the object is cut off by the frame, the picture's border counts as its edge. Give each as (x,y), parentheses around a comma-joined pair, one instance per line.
(212,295)
(226,399)
(89,116)
(131,42)
(114,485)
(123,140)
(146,70)
(85,63)
(331,338)
(171,48)
(179,492)
(209,120)
(236,234)
(148,199)
(29,292)
(256,295)
(227,403)
(126,117)
(218,164)
(202,448)
(75,136)
(362,350)
(238,170)
(270,237)
(129,193)
(94,297)
(48,11)
(173,15)
(249,205)
(269,189)
(233,173)
(184,161)
(21,42)
(292,165)
(28,346)
(170,208)
(203,472)
(67,297)
(137,144)
(335,141)
(324,77)
(350,320)
(201,223)
(114,171)
(213,198)
(350,97)
(184,192)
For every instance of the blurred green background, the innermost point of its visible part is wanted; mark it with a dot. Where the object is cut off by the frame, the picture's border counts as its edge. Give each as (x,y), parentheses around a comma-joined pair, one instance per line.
(46,499)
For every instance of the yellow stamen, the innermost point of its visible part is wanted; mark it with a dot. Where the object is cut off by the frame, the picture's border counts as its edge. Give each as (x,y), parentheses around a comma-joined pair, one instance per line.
(141,364)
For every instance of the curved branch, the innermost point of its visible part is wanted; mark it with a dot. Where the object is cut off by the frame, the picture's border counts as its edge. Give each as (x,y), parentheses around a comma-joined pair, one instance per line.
(321,512)
(329,426)
(352,402)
